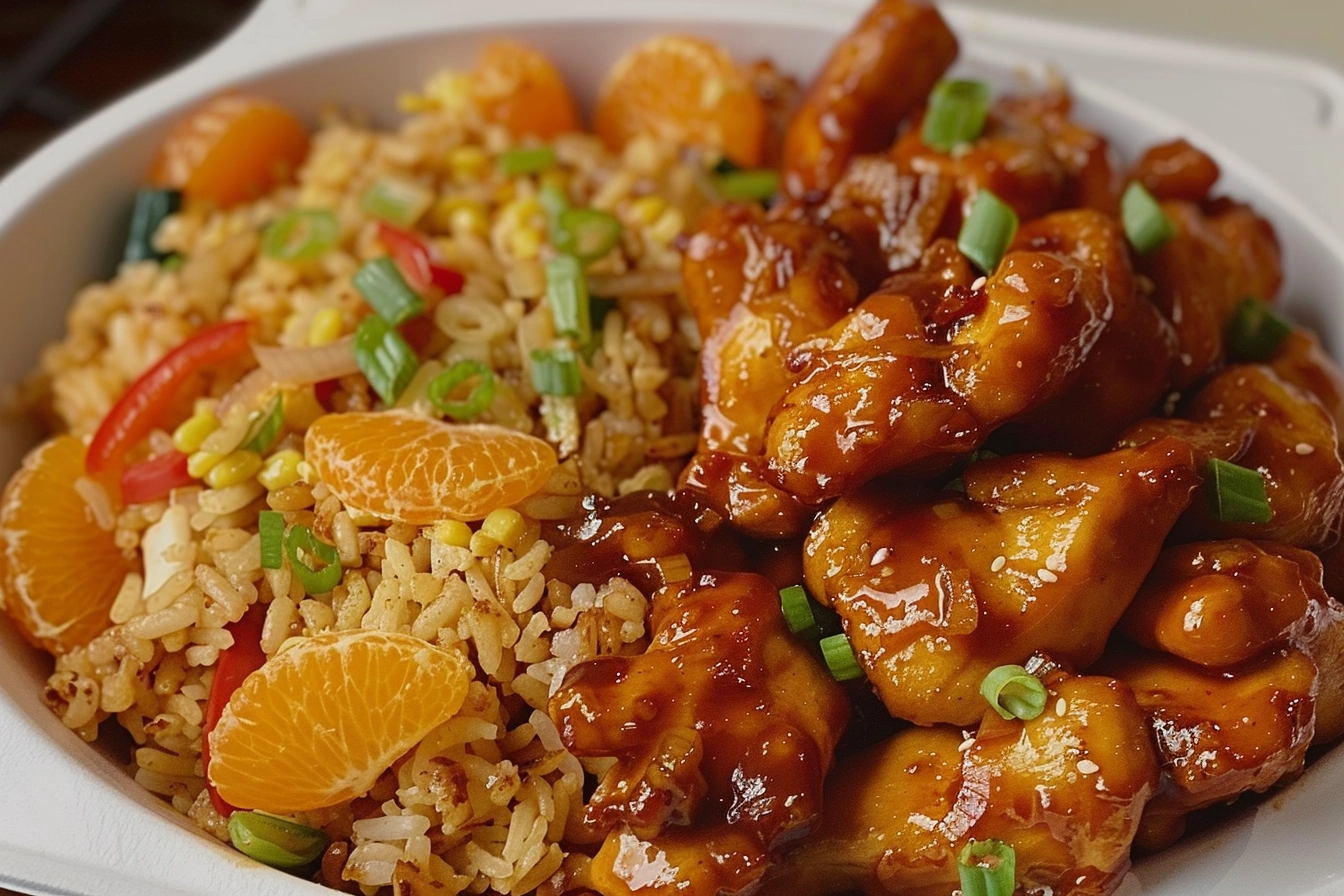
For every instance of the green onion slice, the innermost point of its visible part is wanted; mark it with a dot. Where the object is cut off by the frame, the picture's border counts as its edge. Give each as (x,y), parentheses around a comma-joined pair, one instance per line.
(987,231)
(380,283)
(956,115)
(526,160)
(480,397)
(1014,693)
(750,185)
(585,233)
(274,841)
(315,579)
(840,658)
(271,527)
(555,371)
(567,293)
(148,211)
(797,607)
(300,235)
(987,868)
(396,199)
(1256,331)
(1238,493)
(384,357)
(1146,226)
(266,428)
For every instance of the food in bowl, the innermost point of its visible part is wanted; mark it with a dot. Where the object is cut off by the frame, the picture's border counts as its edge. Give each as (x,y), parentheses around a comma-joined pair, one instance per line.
(877,487)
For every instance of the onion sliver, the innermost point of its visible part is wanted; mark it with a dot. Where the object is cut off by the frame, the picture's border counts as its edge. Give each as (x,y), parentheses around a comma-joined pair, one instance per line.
(298,366)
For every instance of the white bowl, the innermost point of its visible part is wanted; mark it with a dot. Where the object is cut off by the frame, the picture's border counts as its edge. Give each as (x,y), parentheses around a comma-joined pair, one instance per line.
(73,822)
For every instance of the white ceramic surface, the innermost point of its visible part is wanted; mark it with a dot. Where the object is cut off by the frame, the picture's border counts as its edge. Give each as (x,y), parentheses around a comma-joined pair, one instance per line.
(71,820)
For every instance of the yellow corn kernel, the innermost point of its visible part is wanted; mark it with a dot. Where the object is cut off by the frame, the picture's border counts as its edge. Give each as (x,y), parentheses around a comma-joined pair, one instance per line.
(192,432)
(468,163)
(450,89)
(525,242)
(646,209)
(201,462)
(469,220)
(453,533)
(302,408)
(234,468)
(555,178)
(280,470)
(411,103)
(505,525)
(325,327)
(522,211)
(669,224)
(482,545)
(364,519)
(306,472)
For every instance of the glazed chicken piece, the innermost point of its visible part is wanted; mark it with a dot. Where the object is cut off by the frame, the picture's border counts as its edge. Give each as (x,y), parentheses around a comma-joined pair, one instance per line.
(1065,790)
(878,73)
(1302,362)
(1177,171)
(1091,180)
(723,732)
(935,594)
(738,485)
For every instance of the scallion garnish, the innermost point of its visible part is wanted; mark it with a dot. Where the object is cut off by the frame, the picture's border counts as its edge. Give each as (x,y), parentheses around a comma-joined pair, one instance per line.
(1256,331)
(748,185)
(567,293)
(956,115)
(1146,226)
(275,841)
(300,235)
(396,199)
(442,386)
(797,608)
(526,160)
(380,283)
(148,210)
(987,868)
(555,371)
(384,357)
(1014,693)
(266,427)
(585,233)
(1237,493)
(987,231)
(838,653)
(271,528)
(319,578)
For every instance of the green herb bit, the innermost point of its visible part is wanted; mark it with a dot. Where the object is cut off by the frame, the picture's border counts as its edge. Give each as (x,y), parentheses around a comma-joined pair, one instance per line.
(1014,693)
(266,428)
(956,115)
(555,371)
(526,160)
(987,868)
(1256,331)
(567,293)
(397,200)
(1237,493)
(315,579)
(275,841)
(380,283)
(480,397)
(384,357)
(987,231)
(753,185)
(797,609)
(148,211)
(1147,227)
(838,653)
(301,235)
(585,233)
(271,528)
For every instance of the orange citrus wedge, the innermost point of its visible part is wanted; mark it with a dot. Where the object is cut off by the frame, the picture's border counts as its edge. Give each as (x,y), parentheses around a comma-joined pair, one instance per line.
(519,88)
(319,722)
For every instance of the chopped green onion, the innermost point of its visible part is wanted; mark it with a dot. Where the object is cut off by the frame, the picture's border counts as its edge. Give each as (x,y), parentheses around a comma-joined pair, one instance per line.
(987,868)
(380,283)
(274,841)
(1238,493)
(987,231)
(148,211)
(586,233)
(1014,693)
(753,185)
(300,235)
(840,659)
(1146,226)
(172,261)
(396,199)
(1256,331)
(320,579)
(957,113)
(477,401)
(271,528)
(797,607)
(567,292)
(526,160)
(555,371)
(266,427)
(384,357)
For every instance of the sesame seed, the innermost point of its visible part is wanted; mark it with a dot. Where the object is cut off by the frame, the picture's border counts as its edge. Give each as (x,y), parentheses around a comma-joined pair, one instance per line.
(966,745)
(1304,448)
(979,283)
(999,563)
(878,556)
(1046,575)
(1053,563)
(1088,767)
(1061,707)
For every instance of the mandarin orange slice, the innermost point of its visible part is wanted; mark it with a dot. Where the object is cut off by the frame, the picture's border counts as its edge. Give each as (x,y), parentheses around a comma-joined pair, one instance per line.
(682,89)
(318,723)
(519,88)
(408,468)
(59,571)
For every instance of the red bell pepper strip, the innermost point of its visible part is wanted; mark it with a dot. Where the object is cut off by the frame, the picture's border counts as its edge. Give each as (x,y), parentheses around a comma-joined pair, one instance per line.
(235,664)
(145,402)
(155,478)
(415,259)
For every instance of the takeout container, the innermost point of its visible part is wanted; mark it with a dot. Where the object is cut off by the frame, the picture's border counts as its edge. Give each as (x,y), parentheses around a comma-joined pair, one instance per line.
(71,819)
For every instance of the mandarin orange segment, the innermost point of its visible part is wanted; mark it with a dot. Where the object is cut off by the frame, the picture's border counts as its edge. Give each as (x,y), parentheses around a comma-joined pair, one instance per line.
(317,724)
(59,571)
(516,86)
(682,89)
(401,466)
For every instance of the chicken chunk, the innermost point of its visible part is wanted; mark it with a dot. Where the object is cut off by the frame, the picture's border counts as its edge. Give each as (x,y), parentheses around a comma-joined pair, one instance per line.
(934,594)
